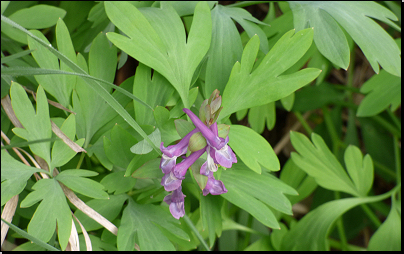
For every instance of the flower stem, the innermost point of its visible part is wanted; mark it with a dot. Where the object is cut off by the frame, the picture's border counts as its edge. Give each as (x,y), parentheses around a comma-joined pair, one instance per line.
(304,123)
(196,232)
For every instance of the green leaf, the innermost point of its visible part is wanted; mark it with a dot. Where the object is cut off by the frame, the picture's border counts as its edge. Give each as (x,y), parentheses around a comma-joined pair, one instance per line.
(222,56)
(108,208)
(211,216)
(255,192)
(382,91)
(37,126)
(318,162)
(155,91)
(118,148)
(143,147)
(74,179)
(59,86)
(252,149)
(30,237)
(258,115)
(117,183)
(150,169)
(36,17)
(265,83)
(376,44)
(52,209)
(144,221)
(166,125)
(311,232)
(183,127)
(359,169)
(388,235)
(27,71)
(293,176)
(313,97)
(62,153)
(94,85)
(157,39)
(14,176)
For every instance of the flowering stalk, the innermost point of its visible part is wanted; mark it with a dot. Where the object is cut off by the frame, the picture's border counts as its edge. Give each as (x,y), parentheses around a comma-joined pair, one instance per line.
(205,137)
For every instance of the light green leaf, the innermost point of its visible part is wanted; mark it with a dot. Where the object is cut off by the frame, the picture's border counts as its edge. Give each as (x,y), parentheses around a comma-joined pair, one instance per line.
(388,235)
(318,162)
(211,216)
(74,179)
(265,83)
(93,84)
(293,176)
(34,240)
(14,176)
(118,147)
(166,125)
(37,125)
(382,91)
(252,149)
(150,169)
(155,91)
(36,17)
(254,192)
(143,147)
(59,86)
(117,183)
(62,153)
(157,39)
(258,115)
(359,169)
(222,56)
(142,220)
(310,233)
(183,127)
(376,44)
(52,209)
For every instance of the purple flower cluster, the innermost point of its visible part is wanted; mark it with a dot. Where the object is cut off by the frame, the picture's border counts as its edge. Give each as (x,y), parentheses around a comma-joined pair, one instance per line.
(218,152)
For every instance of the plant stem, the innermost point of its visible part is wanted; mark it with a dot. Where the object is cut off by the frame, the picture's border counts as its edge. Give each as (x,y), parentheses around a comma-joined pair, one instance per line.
(246,3)
(398,163)
(337,245)
(388,126)
(80,160)
(196,232)
(396,121)
(371,215)
(340,227)
(303,122)
(331,129)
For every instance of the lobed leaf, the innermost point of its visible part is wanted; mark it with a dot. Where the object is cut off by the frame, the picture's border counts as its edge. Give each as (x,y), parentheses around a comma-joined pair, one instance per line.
(53,209)
(376,44)
(265,83)
(157,39)
(252,149)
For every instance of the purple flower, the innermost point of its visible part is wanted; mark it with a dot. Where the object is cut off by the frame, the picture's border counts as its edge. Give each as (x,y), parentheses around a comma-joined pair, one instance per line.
(170,182)
(209,165)
(181,169)
(213,186)
(222,153)
(170,153)
(176,202)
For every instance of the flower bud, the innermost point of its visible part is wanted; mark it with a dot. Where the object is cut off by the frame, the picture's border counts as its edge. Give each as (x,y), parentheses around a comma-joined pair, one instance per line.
(196,142)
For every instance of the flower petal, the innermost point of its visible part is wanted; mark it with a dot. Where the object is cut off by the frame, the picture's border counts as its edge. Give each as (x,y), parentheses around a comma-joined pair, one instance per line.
(214,187)
(170,182)
(181,169)
(211,138)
